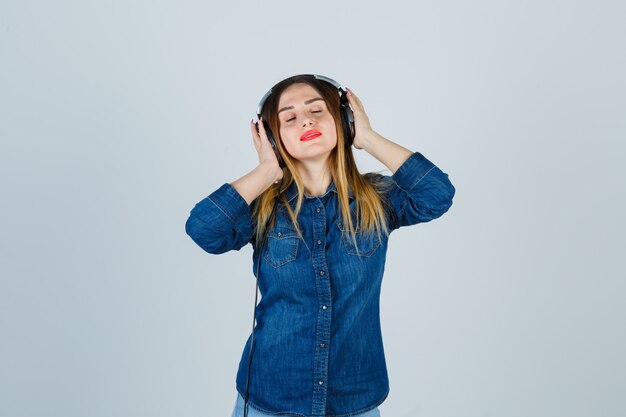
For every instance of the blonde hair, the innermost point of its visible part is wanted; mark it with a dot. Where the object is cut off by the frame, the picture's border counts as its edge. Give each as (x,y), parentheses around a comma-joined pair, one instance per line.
(367,189)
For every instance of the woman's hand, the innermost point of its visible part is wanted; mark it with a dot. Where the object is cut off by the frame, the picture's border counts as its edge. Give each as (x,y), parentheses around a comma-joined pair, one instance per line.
(362,129)
(267,157)
(389,153)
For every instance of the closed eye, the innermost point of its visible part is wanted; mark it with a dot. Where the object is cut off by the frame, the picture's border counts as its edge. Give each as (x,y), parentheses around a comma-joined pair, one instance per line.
(314,111)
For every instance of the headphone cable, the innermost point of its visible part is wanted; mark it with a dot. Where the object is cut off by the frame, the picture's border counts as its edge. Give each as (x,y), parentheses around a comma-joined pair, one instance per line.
(256,295)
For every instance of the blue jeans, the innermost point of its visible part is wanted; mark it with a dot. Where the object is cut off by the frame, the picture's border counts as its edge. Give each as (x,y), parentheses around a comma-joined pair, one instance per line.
(252,412)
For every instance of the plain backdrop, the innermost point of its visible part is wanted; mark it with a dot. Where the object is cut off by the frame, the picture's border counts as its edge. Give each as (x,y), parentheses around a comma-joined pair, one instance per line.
(117,117)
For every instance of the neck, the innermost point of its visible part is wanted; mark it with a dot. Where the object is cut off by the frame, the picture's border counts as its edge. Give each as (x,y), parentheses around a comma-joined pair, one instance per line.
(315,176)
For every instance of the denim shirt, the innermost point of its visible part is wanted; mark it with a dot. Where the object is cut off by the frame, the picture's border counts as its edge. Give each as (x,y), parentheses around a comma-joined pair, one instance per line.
(318,348)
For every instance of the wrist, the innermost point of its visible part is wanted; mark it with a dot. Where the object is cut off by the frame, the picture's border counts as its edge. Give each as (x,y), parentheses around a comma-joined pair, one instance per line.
(369,141)
(271,171)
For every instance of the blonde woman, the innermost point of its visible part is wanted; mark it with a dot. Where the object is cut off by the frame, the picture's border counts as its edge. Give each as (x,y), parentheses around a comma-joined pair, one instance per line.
(319,231)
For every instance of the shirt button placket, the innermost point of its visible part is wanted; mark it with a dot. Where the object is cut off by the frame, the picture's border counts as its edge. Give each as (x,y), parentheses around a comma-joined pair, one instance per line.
(324,316)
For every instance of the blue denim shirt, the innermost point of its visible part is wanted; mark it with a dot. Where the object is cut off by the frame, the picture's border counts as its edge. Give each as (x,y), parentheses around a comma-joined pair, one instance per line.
(318,344)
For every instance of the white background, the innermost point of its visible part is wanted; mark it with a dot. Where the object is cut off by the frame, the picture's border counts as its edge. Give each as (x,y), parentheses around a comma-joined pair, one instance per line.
(117,117)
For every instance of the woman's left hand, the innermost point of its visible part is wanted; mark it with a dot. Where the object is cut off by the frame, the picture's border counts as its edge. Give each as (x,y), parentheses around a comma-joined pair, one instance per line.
(362,128)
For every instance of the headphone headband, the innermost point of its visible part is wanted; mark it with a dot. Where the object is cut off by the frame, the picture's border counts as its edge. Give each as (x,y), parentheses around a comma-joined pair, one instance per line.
(340,90)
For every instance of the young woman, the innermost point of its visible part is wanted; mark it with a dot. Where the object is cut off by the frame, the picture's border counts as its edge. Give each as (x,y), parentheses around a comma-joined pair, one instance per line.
(319,231)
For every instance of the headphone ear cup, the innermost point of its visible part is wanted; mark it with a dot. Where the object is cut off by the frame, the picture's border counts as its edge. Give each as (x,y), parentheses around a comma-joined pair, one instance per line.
(272,141)
(347,120)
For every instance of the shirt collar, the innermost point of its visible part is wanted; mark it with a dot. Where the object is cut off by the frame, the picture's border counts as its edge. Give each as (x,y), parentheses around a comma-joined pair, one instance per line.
(292,192)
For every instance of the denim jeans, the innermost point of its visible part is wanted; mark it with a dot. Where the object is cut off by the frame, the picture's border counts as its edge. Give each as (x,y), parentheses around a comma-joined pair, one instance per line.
(252,412)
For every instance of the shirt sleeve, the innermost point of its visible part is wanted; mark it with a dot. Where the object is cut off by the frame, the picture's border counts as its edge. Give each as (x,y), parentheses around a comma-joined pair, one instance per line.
(221,222)
(420,192)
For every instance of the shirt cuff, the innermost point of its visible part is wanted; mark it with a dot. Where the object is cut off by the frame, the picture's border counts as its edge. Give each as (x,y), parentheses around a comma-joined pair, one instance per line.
(412,171)
(226,199)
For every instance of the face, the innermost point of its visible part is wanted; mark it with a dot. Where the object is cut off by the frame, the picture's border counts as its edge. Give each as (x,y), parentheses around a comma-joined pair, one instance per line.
(307,128)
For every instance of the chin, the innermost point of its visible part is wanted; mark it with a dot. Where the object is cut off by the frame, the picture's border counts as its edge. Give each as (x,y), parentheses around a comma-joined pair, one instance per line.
(312,150)
(313,156)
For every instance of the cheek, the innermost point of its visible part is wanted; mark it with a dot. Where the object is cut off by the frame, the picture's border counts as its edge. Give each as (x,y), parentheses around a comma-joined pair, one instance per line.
(287,138)
(332,129)
(330,125)
(283,134)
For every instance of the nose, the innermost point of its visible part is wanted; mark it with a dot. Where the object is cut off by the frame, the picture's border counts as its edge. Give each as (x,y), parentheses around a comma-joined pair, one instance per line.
(307,121)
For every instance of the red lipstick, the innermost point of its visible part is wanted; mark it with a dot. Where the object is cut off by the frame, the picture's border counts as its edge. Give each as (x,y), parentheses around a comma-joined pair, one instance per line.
(310,134)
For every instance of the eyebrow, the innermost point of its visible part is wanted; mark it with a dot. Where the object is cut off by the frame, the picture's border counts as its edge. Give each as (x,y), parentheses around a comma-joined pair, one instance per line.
(306,102)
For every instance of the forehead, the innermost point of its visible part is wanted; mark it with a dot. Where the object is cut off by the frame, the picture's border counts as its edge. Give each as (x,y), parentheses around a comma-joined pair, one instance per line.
(296,94)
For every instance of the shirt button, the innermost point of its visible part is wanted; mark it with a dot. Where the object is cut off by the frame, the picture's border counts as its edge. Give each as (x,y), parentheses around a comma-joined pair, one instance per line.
(319,242)
(321,272)
(318,210)
(324,307)
(322,345)
(320,382)
(279,234)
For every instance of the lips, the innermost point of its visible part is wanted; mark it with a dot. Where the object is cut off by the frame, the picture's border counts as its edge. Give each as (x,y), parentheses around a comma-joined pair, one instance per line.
(310,134)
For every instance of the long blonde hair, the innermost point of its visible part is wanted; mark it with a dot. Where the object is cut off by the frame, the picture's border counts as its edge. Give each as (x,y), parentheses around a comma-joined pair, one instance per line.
(367,189)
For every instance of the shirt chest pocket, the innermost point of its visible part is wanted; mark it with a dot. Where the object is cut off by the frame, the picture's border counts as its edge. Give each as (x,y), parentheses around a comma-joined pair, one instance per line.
(366,243)
(282,246)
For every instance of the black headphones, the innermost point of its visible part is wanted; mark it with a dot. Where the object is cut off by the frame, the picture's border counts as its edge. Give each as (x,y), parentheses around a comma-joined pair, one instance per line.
(347,117)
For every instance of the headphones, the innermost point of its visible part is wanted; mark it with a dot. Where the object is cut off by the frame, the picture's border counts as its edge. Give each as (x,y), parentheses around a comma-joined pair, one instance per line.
(347,117)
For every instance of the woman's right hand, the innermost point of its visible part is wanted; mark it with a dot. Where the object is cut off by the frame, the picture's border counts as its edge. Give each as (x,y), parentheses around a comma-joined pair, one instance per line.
(267,157)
